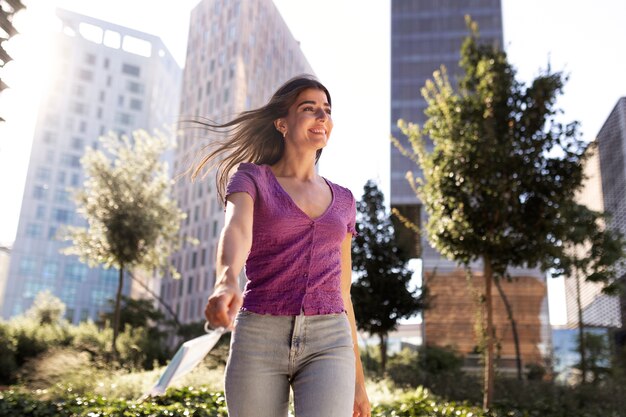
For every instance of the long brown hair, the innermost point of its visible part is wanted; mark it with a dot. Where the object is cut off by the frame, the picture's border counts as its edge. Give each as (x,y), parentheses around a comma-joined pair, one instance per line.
(252,136)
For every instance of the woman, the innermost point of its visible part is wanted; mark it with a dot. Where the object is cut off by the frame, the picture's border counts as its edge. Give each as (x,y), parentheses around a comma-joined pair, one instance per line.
(294,324)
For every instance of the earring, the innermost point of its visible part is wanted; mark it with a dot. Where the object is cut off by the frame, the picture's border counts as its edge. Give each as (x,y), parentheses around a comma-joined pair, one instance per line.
(284,134)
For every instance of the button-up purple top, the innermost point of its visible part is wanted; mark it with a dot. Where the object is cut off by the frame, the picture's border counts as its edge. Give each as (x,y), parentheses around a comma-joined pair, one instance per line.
(294,263)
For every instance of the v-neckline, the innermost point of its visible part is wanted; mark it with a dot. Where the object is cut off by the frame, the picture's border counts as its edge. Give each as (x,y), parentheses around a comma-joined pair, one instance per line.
(293,203)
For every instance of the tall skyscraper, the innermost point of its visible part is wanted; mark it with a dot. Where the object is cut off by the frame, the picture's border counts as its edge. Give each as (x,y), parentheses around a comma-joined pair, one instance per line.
(426,34)
(238,54)
(598,309)
(105,78)
(612,151)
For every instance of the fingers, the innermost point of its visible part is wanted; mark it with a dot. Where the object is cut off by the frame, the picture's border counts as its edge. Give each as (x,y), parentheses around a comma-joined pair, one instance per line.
(221,308)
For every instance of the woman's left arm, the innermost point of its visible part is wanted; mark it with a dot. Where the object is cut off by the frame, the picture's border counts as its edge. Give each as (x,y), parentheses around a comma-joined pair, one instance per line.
(361,401)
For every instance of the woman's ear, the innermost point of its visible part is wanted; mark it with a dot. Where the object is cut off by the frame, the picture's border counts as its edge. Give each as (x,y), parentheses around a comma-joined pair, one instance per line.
(281,126)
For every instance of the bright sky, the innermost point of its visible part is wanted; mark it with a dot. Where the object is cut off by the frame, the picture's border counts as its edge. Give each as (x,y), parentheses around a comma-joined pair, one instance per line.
(347,44)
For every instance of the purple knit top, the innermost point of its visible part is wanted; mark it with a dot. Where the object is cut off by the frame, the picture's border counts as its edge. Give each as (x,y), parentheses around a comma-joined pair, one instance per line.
(294,263)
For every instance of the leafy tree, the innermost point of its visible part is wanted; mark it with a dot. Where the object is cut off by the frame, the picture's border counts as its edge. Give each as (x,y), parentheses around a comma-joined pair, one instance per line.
(380,292)
(595,254)
(132,220)
(597,356)
(46,309)
(498,185)
(135,313)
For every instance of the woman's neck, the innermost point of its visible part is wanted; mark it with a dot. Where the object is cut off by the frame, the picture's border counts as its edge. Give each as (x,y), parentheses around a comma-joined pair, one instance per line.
(301,167)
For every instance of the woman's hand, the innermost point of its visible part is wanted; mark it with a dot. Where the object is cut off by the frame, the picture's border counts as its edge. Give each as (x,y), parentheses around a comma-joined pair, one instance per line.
(223,305)
(362,406)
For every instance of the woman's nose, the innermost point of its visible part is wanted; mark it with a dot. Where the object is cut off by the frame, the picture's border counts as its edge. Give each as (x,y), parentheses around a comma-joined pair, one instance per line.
(321,114)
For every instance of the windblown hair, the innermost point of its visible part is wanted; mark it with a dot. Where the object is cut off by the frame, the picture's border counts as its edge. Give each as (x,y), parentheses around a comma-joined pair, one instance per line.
(252,136)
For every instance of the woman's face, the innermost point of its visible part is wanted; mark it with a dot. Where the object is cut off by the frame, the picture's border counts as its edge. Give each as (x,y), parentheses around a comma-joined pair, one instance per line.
(308,123)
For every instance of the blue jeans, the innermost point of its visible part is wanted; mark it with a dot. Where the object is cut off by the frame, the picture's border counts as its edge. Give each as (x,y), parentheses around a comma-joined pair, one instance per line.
(269,354)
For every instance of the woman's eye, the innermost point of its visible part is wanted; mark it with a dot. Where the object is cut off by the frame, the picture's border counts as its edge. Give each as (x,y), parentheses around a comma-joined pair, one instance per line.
(308,108)
(328,111)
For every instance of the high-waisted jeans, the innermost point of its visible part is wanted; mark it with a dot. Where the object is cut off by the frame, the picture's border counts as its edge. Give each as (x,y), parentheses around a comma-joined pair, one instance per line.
(269,354)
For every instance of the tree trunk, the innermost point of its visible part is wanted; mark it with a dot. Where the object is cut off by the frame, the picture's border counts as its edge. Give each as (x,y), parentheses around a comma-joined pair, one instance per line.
(158,298)
(489,335)
(581,332)
(383,353)
(116,313)
(509,312)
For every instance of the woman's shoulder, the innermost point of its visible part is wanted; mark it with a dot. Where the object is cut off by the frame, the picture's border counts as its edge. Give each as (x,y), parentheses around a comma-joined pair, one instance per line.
(249,167)
(342,192)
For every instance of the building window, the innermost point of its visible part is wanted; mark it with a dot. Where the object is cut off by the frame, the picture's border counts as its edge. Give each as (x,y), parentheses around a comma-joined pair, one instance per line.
(129,69)
(33,230)
(70,160)
(43,173)
(79,108)
(83,127)
(207,89)
(62,196)
(109,277)
(61,215)
(49,137)
(78,144)
(52,233)
(99,114)
(69,315)
(40,192)
(40,213)
(85,75)
(61,177)
(194,258)
(75,272)
(28,266)
(79,90)
(90,59)
(102,96)
(75,182)
(214,228)
(189,285)
(106,62)
(120,100)
(49,270)
(109,81)
(136,104)
(124,118)
(135,87)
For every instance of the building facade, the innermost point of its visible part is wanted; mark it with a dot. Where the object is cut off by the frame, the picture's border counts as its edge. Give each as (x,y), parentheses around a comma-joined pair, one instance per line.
(104,78)
(426,34)
(612,151)
(238,54)
(598,309)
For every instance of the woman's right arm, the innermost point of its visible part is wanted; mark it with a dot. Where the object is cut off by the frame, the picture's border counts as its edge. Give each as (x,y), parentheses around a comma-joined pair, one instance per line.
(232,250)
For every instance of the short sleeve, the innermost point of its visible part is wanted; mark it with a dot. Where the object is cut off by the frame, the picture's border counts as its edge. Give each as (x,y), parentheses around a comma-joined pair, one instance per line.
(352,217)
(243,181)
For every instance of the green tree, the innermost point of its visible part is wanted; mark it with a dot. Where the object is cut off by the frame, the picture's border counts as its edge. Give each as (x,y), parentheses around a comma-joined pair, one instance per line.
(134,313)
(46,309)
(499,183)
(132,220)
(380,292)
(594,255)
(597,356)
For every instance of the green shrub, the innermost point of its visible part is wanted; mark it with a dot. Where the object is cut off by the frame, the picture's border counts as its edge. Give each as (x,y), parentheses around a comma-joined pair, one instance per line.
(183,402)
(8,352)
(33,338)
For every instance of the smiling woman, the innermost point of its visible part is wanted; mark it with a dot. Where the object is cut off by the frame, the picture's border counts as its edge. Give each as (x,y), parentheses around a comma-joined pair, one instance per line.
(293,326)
